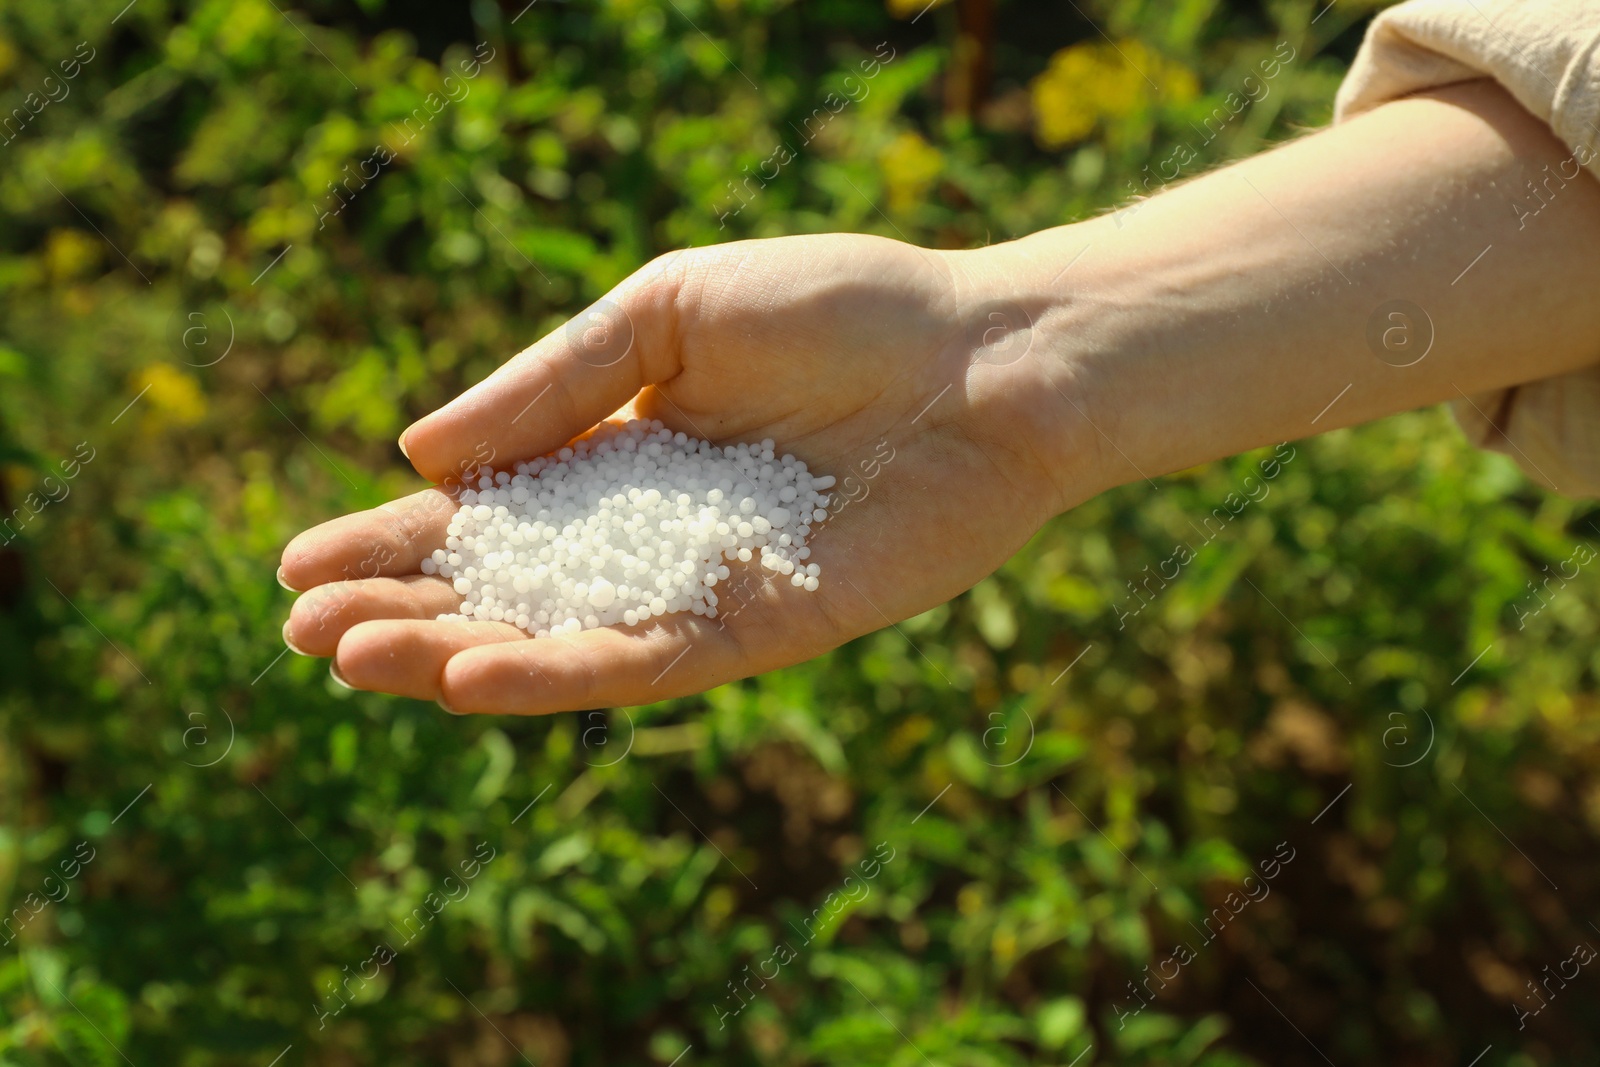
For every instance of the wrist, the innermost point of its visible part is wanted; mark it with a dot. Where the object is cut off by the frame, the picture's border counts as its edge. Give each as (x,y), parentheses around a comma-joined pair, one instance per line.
(1028,326)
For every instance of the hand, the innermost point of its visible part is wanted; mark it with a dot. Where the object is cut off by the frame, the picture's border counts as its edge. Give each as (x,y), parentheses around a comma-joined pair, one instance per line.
(888,366)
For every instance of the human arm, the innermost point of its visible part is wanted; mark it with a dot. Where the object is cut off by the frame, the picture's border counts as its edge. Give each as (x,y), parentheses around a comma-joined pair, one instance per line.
(1011,383)
(1232,311)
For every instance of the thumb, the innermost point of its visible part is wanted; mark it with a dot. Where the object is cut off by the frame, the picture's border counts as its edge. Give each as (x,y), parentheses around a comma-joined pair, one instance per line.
(566,382)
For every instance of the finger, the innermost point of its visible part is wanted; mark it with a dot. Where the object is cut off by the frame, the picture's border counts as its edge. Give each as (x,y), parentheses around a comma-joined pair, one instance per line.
(763,626)
(320,617)
(389,540)
(407,657)
(593,669)
(562,385)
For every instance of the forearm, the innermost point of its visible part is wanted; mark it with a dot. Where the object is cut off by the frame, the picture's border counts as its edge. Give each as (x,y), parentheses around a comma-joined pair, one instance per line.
(1249,306)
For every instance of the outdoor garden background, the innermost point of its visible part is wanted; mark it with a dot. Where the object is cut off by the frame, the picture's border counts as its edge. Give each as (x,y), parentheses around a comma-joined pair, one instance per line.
(211,854)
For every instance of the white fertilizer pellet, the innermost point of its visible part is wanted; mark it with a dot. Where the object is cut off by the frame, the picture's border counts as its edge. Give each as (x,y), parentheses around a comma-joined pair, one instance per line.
(630,523)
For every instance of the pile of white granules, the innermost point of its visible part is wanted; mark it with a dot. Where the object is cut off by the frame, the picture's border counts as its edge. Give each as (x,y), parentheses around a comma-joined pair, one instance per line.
(628,524)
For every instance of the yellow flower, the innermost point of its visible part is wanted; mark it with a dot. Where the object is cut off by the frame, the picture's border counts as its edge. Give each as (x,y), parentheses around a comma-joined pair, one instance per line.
(910,166)
(971,900)
(905,9)
(69,254)
(1094,81)
(174,397)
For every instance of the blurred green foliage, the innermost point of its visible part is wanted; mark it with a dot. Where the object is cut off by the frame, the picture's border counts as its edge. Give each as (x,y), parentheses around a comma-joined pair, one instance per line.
(1068,789)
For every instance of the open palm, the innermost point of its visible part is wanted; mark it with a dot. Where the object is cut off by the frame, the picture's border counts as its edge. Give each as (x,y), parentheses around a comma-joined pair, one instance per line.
(869,359)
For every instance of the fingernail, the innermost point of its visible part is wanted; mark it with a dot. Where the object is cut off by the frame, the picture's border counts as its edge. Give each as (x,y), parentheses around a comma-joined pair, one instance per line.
(402,444)
(448,708)
(285,584)
(296,649)
(333,672)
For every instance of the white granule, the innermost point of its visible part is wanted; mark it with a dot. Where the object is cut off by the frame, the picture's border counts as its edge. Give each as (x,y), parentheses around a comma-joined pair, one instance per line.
(630,523)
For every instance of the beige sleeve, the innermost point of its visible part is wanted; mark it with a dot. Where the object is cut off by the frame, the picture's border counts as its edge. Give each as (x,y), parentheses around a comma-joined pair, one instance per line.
(1544,53)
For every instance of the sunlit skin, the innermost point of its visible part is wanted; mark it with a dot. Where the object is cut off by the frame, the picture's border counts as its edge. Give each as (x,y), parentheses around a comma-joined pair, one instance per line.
(1008,383)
